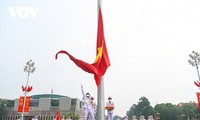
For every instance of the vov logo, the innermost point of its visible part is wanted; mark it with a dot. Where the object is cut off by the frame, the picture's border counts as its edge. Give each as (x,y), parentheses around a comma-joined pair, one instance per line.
(23,12)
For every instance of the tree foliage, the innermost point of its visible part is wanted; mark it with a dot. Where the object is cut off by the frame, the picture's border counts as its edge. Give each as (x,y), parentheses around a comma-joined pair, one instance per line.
(142,108)
(3,104)
(166,111)
(188,111)
(71,115)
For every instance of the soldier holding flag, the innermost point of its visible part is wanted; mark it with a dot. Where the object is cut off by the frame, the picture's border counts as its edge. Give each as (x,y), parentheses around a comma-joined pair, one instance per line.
(110,107)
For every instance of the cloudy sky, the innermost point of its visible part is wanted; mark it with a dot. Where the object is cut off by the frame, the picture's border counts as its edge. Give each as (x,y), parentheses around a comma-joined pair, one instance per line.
(148,42)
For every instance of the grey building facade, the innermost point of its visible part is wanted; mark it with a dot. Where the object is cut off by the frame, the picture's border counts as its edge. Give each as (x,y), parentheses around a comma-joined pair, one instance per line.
(45,107)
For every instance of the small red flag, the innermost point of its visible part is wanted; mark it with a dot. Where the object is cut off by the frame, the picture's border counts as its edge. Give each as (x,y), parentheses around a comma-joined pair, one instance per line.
(102,62)
(58,116)
(198,98)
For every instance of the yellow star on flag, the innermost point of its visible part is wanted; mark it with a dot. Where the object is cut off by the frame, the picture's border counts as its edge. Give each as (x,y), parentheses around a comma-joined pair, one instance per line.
(100,53)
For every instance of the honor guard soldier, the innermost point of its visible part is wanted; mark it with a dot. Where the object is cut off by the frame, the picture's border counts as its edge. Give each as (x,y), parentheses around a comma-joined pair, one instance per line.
(142,117)
(109,108)
(126,117)
(35,118)
(150,117)
(88,112)
(134,117)
(68,118)
(94,108)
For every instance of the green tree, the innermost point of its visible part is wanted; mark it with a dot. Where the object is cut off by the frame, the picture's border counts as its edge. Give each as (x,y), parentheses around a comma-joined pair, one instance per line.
(142,108)
(188,111)
(3,104)
(132,111)
(167,111)
(10,103)
(73,117)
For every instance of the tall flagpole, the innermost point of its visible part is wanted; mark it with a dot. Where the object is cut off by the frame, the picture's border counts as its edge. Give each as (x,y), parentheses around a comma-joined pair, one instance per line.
(101,101)
(100,89)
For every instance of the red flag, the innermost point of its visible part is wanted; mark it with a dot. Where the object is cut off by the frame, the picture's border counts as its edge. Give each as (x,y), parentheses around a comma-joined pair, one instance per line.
(83,65)
(198,98)
(58,116)
(102,62)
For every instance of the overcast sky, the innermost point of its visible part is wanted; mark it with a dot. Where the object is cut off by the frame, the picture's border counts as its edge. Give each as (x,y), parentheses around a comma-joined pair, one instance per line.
(148,42)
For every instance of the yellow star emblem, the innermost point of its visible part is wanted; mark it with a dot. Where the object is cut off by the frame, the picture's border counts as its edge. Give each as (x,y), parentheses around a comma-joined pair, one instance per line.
(100,53)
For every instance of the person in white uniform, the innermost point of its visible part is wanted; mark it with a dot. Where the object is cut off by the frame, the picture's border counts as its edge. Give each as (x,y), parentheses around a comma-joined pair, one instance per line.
(68,118)
(63,118)
(126,117)
(142,117)
(35,118)
(88,111)
(94,107)
(110,107)
(150,117)
(134,117)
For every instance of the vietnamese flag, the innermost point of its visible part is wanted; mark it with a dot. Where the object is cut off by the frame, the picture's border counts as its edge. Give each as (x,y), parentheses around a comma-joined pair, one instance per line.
(102,62)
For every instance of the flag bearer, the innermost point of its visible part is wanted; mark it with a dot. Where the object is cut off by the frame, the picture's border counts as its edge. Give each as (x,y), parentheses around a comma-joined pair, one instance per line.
(110,107)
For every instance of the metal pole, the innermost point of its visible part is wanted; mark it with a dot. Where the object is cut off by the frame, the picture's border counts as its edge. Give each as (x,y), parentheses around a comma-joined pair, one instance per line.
(194,61)
(100,90)
(198,71)
(25,96)
(29,68)
(101,101)
(99,4)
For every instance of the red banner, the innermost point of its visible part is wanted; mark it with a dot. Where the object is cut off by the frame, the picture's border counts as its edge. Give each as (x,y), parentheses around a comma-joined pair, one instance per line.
(21,104)
(198,98)
(27,104)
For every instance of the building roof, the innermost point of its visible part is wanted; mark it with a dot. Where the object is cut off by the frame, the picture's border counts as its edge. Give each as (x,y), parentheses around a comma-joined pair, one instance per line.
(46,96)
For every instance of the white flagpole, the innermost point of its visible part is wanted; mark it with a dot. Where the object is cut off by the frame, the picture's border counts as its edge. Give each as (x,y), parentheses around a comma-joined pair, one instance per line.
(100,99)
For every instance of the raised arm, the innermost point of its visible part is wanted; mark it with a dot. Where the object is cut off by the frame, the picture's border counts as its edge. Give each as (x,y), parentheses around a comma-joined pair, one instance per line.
(82,91)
